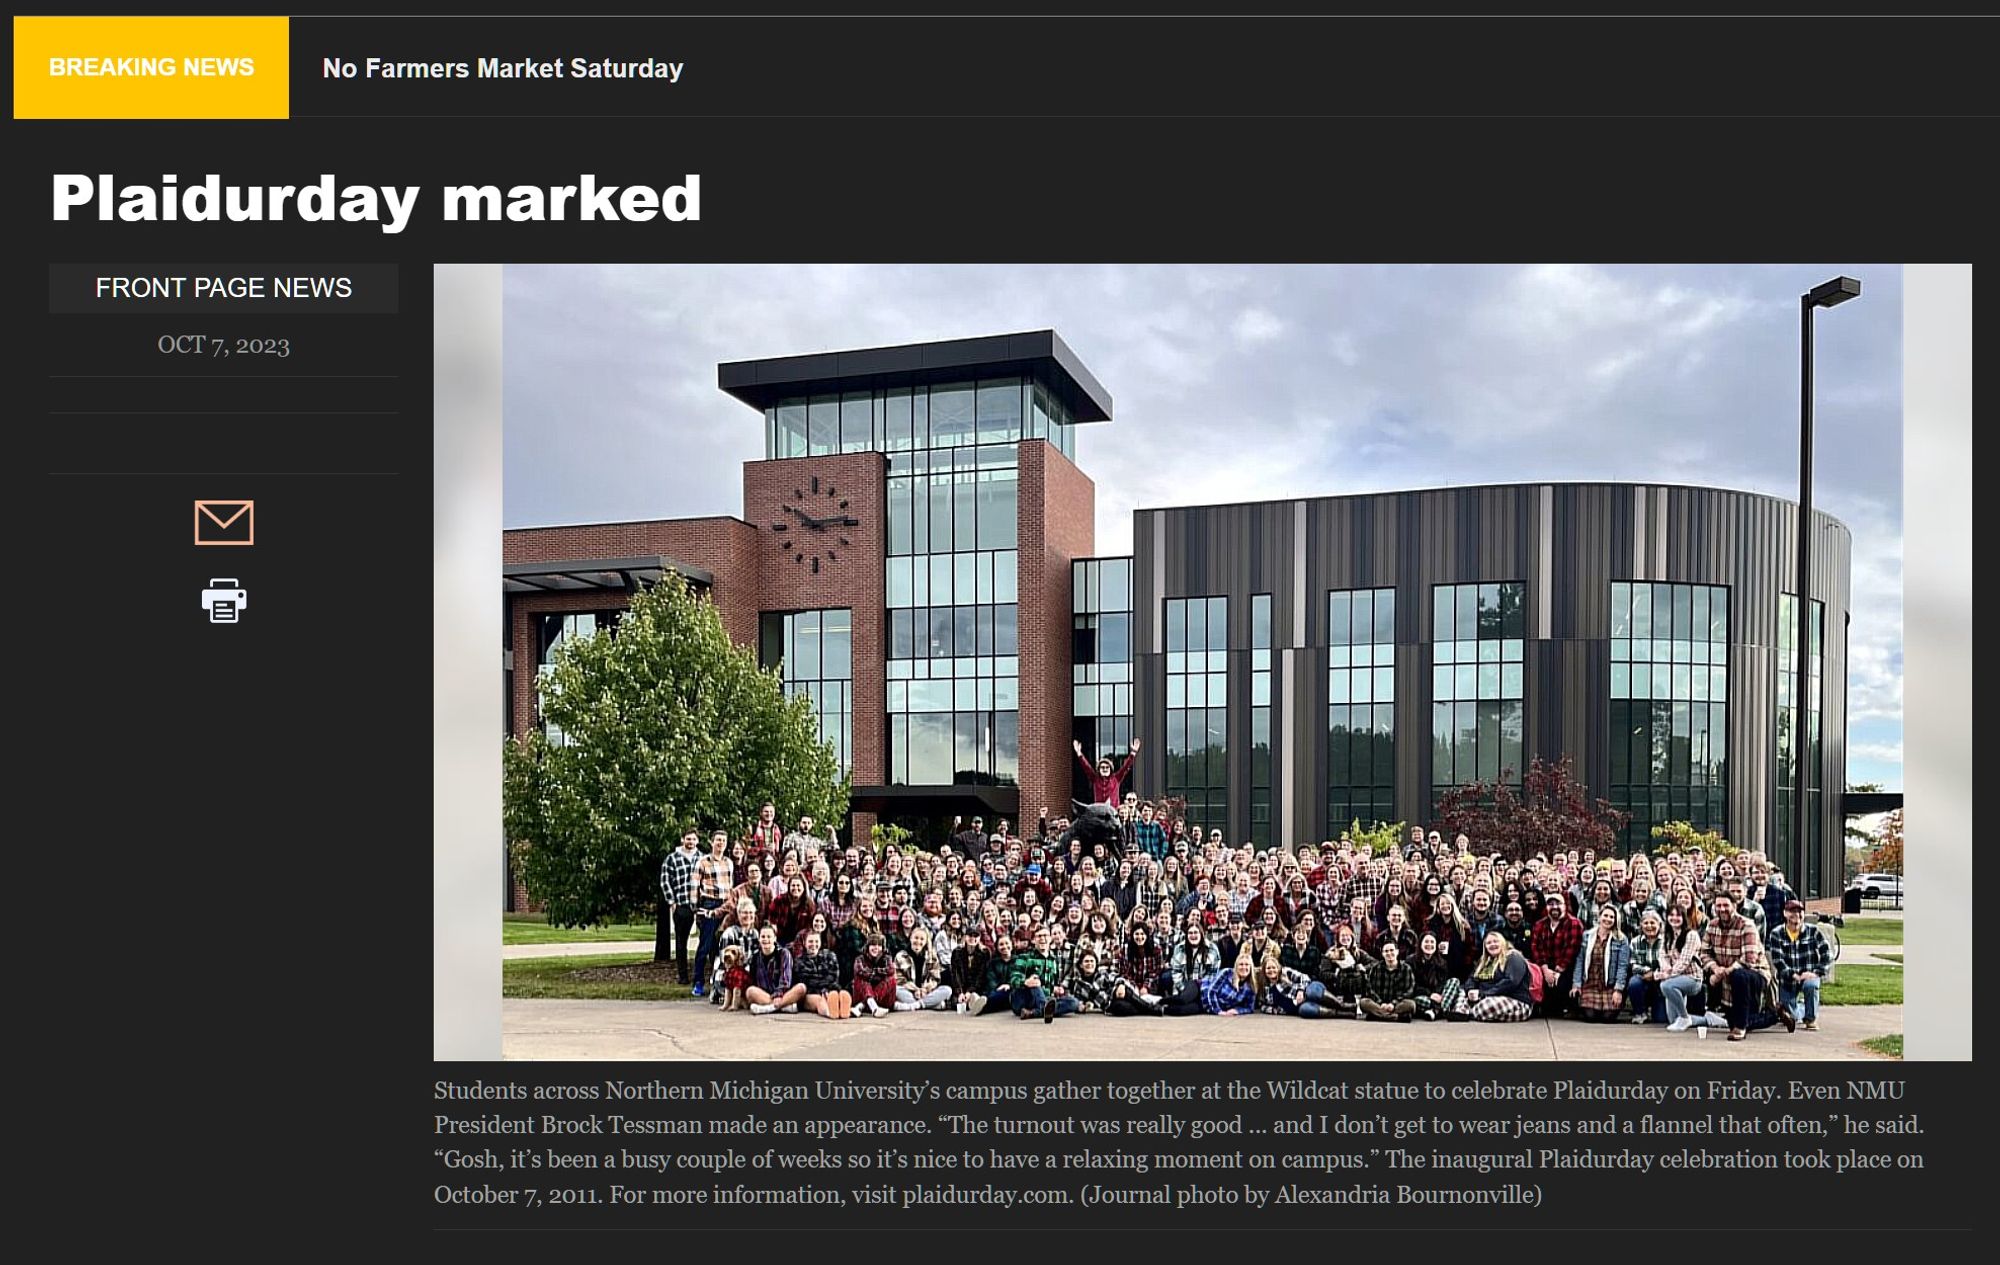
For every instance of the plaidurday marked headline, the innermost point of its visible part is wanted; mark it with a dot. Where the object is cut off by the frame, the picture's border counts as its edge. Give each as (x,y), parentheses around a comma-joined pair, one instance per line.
(326,199)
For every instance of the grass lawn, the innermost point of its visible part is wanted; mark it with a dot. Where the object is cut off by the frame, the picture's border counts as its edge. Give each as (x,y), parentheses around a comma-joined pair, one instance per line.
(535,929)
(1871,931)
(597,977)
(1891,1046)
(1858,986)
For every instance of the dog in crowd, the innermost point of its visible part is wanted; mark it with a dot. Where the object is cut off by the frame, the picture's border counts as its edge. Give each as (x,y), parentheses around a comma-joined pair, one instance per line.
(735,978)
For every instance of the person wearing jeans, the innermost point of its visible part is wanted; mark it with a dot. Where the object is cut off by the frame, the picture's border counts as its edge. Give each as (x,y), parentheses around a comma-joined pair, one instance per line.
(1643,989)
(1801,956)
(1033,989)
(1737,968)
(679,889)
(1681,984)
(713,877)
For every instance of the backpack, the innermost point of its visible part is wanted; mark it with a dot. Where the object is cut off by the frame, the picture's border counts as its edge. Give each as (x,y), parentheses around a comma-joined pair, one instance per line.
(1535,982)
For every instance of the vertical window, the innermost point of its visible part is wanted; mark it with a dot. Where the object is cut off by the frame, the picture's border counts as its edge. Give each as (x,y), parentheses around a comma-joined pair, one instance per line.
(551,631)
(1260,719)
(1361,707)
(1197,712)
(1802,871)
(1101,661)
(1478,656)
(953,671)
(1669,705)
(814,652)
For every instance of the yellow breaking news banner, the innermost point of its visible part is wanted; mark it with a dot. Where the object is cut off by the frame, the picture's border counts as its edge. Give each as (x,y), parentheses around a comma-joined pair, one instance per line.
(152,68)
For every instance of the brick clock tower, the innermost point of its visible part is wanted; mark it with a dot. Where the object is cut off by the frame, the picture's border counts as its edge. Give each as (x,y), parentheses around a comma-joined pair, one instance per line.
(907,538)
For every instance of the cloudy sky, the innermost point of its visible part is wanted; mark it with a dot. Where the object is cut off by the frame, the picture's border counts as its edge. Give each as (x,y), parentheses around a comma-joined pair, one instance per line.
(1237,383)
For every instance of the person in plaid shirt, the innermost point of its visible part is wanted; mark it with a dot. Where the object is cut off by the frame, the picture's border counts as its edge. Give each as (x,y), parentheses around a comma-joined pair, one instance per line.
(1800,955)
(1090,981)
(1733,955)
(1553,946)
(1150,834)
(1644,988)
(714,875)
(1033,986)
(766,836)
(1368,883)
(678,892)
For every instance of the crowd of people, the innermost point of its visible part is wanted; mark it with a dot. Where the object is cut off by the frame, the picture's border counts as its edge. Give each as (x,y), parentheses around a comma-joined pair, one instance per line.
(1162,921)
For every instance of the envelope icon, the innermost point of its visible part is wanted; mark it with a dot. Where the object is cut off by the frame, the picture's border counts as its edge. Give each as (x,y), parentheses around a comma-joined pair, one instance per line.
(225,522)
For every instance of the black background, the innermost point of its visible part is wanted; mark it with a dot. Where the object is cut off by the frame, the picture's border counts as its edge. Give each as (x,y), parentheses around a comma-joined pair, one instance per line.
(224,888)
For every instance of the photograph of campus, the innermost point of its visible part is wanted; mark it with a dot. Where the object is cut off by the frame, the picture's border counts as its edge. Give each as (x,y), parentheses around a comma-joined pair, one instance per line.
(902,659)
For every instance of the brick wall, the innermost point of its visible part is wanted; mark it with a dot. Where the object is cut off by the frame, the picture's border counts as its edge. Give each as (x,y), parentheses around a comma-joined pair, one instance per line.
(1058,525)
(852,577)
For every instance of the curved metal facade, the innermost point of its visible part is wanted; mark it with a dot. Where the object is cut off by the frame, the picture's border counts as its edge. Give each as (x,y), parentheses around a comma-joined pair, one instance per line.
(1566,543)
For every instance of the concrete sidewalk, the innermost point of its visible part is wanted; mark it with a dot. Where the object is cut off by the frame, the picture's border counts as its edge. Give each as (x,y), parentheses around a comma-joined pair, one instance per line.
(535,1029)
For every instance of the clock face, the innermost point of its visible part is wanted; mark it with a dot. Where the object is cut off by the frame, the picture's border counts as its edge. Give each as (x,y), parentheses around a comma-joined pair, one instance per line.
(813,525)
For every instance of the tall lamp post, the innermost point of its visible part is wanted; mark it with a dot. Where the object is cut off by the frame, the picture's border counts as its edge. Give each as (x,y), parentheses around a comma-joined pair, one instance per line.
(1827,294)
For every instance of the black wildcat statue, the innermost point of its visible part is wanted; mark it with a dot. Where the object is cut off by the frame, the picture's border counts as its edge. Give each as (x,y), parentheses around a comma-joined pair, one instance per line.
(1095,824)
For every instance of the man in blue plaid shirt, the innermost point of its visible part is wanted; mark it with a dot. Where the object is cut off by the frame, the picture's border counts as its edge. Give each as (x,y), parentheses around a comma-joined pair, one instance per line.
(678,890)
(1149,834)
(1801,956)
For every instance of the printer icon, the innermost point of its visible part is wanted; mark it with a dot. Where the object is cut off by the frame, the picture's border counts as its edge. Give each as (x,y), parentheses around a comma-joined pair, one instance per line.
(224,601)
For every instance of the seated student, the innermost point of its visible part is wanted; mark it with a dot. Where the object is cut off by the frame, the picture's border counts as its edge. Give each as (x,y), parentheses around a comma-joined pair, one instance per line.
(875,977)
(920,975)
(771,985)
(1300,954)
(1682,987)
(1143,962)
(1099,989)
(967,973)
(1603,966)
(1287,991)
(1233,990)
(1034,987)
(1392,986)
(1193,961)
(1343,968)
(741,935)
(1437,983)
(1739,974)
(996,985)
(1552,948)
(1643,989)
(1498,990)
(818,971)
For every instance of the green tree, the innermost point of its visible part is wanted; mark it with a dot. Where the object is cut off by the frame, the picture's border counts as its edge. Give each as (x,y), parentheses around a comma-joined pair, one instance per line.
(1857,837)
(664,725)
(1379,839)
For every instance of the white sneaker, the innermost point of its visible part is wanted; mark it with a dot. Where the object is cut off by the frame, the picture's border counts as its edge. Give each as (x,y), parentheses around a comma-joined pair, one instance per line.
(903,1007)
(761,1008)
(975,1004)
(1642,1019)
(1717,1021)
(868,1004)
(1678,1025)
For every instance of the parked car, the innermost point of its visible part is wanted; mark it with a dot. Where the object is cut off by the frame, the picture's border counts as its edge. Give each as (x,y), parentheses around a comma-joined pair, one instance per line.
(1878,886)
